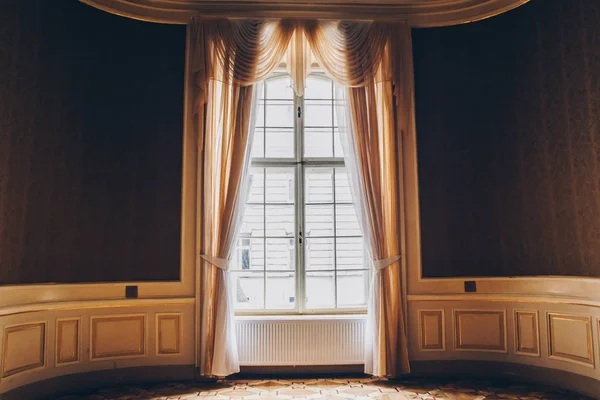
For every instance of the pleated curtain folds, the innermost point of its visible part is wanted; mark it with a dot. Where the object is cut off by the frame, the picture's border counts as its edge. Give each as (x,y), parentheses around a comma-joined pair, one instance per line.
(369,60)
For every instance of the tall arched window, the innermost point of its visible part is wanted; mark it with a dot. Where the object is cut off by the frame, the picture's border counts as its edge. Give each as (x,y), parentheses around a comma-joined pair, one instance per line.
(300,247)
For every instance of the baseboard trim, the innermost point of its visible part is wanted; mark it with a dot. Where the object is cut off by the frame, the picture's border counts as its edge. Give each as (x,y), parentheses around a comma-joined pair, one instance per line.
(94,380)
(509,371)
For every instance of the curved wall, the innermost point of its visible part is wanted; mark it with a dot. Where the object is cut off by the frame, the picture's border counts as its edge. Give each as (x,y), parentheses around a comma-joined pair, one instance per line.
(501,207)
(49,331)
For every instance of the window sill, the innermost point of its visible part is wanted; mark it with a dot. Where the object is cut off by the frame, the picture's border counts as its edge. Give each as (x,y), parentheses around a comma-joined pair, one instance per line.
(302,317)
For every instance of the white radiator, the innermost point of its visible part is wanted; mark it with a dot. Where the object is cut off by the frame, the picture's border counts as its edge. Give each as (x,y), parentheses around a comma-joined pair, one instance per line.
(295,341)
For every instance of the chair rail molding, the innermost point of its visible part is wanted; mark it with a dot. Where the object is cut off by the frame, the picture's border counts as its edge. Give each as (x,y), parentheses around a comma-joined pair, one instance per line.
(419,13)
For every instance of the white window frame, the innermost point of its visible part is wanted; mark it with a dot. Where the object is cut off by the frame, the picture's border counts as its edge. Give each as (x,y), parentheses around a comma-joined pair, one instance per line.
(299,163)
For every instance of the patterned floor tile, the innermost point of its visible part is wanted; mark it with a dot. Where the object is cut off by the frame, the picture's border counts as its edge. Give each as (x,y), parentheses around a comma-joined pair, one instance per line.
(331,389)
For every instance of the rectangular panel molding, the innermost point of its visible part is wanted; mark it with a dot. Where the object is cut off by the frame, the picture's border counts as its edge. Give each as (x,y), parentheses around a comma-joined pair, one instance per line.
(570,338)
(480,330)
(527,333)
(67,340)
(168,338)
(432,334)
(327,341)
(118,336)
(24,348)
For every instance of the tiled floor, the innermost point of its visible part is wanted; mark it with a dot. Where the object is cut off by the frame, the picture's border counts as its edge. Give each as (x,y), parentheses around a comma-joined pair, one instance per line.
(333,389)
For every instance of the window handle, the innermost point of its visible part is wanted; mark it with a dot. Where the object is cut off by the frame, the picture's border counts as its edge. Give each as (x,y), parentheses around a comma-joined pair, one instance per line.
(299,237)
(299,112)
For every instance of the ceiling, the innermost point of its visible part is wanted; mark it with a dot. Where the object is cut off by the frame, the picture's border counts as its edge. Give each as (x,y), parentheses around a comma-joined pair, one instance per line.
(419,13)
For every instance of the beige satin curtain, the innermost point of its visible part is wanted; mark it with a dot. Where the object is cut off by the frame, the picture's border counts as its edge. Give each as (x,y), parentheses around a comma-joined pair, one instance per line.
(230,56)
(227,59)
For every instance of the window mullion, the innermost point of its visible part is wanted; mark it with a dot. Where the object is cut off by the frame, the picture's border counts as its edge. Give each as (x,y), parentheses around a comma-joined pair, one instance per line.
(299,153)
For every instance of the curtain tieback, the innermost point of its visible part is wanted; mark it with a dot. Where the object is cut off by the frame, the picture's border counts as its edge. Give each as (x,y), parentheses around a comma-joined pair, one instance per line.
(220,263)
(379,265)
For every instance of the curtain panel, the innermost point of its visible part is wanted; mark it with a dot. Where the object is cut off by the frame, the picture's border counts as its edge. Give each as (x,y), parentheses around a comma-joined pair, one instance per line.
(370,60)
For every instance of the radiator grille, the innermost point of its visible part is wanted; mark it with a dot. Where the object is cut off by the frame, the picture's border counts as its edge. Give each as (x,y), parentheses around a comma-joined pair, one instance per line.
(301,342)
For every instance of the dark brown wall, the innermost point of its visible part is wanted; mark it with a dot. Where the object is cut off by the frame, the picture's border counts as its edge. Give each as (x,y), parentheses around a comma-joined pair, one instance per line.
(90,145)
(508,125)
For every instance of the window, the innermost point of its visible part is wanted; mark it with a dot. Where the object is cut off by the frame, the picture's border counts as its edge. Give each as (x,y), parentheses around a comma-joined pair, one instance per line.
(300,248)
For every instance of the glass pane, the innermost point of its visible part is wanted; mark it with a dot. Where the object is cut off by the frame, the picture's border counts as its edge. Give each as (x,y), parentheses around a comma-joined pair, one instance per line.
(320,290)
(319,220)
(281,290)
(319,185)
(280,221)
(280,185)
(253,222)
(338,151)
(280,88)
(280,113)
(281,254)
(258,143)
(352,288)
(338,105)
(317,113)
(318,88)
(260,114)
(350,253)
(280,143)
(342,186)
(318,253)
(248,289)
(249,255)
(257,185)
(317,142)
(346,221)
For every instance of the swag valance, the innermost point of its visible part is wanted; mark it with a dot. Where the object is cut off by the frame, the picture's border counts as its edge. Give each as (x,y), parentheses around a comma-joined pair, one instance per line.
(244,52)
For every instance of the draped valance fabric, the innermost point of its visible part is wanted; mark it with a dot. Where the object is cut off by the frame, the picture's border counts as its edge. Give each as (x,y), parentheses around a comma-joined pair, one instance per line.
(244,52)
(372,62)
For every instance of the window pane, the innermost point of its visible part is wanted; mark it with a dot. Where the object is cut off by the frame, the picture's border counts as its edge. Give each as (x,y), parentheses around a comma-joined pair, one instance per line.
(260,114)
(258,143)
(320,290)
(318,113)
(318,253)
(248,289)
(280,88)
(350,253)
(319,220)
(338,151)
(280,143)
(280,185)
(346,221)
(280,113)
(249,255)
(280,221)
(317,142)
(342,186)
(352,288)
(318,88)
(257,185)
(281,254)
(253,222)
(319,185)
(281,290)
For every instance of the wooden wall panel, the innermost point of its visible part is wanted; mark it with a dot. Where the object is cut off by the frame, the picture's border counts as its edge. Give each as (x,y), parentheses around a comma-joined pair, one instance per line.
(168,329)
(527,333)
(432,330)
(118,336)
(570,338)
(24,348)
(480,330)
(68,334)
